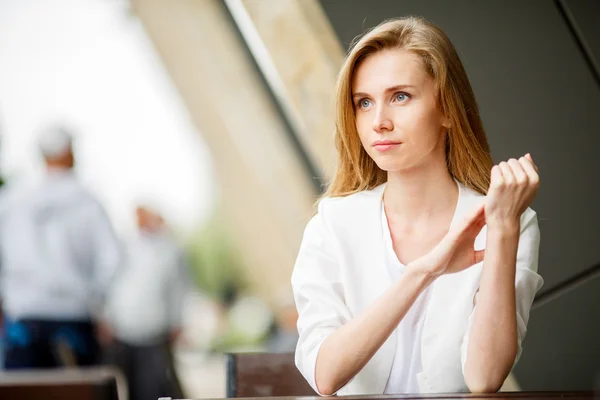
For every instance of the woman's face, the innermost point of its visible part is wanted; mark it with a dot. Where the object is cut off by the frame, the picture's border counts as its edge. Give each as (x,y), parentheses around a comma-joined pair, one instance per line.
(397,117)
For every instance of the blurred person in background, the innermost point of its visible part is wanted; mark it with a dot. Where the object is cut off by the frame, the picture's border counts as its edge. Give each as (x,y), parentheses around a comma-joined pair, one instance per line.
(1,313)
(284,333)
(58,254)
(145,309)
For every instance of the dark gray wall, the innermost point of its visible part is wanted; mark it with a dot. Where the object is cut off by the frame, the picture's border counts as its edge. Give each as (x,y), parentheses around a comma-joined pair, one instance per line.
(536,94)
(585,15)
(562,348)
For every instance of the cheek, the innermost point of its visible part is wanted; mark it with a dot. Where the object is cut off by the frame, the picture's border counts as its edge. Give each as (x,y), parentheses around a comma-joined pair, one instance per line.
(363,127)
(423,127)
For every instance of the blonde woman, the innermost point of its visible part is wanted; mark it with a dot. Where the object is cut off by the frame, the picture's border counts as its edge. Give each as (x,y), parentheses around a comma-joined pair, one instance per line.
(419,269)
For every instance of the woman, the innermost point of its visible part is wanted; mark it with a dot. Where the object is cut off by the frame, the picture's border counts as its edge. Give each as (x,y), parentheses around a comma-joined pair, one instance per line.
(399,286)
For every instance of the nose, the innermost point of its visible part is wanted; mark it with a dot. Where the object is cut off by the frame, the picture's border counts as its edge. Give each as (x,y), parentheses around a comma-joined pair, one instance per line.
(382,122)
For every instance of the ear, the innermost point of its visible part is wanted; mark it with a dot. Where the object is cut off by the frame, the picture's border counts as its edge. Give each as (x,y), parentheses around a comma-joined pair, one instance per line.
(446,123)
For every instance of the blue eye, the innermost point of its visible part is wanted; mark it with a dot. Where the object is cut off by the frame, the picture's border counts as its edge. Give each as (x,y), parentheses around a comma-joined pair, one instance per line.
(401,96)
(364,103)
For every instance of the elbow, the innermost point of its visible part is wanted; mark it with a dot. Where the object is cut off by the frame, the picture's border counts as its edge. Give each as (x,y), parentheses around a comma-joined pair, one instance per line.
(485,381)
(325,386)
(488,376)
(327,383)
(482,386)
(327,378)
(481,380)
(326,391)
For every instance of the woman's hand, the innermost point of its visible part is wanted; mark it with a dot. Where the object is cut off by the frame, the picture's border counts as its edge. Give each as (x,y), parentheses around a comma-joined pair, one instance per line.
(456,251)
(514,185)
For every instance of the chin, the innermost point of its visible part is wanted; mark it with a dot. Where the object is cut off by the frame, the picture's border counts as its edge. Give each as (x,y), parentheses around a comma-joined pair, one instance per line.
(390,165)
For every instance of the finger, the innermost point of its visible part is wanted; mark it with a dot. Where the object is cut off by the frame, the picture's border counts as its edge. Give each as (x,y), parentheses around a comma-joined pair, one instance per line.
(509,177)
(475,228)
(480,222)
(528,157)
(496,179)
(530,170)
(475,219)
(475,214)
(478,256)
(521,177)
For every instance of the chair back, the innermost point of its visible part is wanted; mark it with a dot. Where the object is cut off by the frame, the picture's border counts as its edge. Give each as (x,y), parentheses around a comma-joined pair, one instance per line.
(264,375)
(64,384)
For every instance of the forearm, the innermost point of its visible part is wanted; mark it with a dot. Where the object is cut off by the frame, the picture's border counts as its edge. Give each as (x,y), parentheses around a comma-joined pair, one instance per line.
(347,351)
(492,343)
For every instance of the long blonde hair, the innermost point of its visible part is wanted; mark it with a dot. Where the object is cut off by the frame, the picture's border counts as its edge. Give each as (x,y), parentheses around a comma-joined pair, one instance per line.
(467,150)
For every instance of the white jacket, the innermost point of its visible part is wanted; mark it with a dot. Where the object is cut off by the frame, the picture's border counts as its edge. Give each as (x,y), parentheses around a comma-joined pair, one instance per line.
(58,250)
(340,270)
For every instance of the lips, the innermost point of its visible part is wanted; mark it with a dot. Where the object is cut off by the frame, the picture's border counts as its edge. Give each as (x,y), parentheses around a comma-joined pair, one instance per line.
(383,145)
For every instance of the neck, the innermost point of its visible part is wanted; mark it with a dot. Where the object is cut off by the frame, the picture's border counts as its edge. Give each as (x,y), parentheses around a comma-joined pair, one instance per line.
(57,169)
(421,192)
(152,230)
(58,165)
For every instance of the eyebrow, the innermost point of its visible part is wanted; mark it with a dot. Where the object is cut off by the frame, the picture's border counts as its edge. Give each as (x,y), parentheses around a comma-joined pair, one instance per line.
(388,90)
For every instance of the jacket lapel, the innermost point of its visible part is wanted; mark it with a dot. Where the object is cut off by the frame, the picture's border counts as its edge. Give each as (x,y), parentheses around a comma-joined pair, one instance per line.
(376,281)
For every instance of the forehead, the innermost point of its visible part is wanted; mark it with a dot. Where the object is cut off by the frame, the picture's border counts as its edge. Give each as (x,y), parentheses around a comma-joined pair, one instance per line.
(388,68)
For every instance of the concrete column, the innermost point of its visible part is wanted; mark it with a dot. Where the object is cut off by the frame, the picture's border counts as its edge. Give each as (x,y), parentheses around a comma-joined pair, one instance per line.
(266,195)
(300,56)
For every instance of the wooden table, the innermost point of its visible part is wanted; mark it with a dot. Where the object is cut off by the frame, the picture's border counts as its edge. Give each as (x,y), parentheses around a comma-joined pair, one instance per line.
(582,395)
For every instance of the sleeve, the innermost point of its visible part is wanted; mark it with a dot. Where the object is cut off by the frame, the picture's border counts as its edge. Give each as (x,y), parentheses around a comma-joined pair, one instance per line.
(319,296)
(181,286)
(107,257)
(527,281)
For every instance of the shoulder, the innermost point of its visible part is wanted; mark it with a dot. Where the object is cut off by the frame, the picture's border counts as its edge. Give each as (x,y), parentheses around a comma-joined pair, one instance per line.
(80,194)
(81,191)
(345,219)
(16,196)
(334,208)
(8,194)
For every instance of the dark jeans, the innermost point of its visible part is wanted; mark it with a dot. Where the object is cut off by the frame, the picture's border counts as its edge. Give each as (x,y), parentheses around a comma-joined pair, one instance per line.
(33,343)
(148,369)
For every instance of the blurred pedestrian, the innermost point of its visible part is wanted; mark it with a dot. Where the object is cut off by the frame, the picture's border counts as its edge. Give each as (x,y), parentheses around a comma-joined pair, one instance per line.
(58,254)
(284,334)
(145,309)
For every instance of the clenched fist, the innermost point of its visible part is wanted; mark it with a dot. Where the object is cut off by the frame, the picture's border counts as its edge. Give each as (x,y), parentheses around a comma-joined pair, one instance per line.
(514,185)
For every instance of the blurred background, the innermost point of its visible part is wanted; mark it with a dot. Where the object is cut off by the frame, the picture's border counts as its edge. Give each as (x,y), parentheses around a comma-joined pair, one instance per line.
(203,129)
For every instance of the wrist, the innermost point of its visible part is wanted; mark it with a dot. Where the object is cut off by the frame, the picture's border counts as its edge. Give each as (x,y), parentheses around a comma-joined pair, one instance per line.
(420,273)
(503,225)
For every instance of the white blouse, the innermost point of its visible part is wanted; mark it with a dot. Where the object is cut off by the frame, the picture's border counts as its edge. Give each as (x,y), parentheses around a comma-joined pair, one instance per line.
(407,355)
(343,266)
